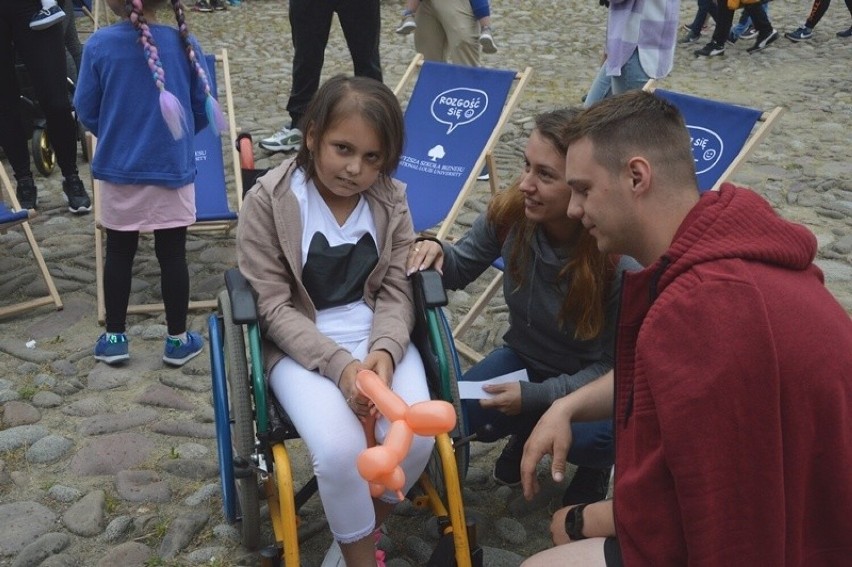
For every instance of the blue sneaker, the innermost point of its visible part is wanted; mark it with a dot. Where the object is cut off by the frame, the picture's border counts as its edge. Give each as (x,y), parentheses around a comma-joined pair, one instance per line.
(112,349)
(178,353)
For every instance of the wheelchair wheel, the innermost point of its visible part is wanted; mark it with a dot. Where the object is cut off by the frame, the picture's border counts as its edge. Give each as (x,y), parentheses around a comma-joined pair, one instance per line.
(43,155)
(242,424)
(462,454)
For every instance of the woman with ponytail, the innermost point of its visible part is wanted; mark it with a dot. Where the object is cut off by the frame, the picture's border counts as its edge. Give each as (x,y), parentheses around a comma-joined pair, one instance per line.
(561,294)
(144,91)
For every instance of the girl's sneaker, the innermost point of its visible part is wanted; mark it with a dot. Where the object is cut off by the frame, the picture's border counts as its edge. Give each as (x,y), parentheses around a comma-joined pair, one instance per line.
(486,40)
(407,25)
(845,33)
(112,348)
(178,353)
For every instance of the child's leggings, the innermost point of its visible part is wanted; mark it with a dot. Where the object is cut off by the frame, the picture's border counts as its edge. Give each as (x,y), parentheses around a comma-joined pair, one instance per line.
(170,248)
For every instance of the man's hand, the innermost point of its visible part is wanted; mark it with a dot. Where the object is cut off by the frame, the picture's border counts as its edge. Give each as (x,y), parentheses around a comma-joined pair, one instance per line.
(507,397)
(551,436)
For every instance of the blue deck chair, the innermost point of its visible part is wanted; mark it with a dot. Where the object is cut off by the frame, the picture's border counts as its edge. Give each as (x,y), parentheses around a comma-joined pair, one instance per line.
(216,208)
(723,134)
(452,120)
(11,215)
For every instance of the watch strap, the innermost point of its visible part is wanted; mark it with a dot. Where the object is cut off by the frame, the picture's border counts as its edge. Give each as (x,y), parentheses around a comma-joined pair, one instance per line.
(574,523)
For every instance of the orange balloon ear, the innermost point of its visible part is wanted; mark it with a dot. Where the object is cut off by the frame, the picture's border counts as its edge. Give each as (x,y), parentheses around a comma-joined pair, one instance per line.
(393,480)
(376,489)
(431,417)
(376,461)
(389,403)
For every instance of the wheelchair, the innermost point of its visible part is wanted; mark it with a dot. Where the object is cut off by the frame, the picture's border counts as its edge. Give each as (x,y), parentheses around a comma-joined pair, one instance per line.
(253,430)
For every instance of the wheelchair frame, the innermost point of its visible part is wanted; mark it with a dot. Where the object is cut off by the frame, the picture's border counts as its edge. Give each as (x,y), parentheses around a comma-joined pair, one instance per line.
(251,430)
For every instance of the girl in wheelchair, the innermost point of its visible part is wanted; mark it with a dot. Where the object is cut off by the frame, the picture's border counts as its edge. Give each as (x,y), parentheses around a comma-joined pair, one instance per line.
(323,240)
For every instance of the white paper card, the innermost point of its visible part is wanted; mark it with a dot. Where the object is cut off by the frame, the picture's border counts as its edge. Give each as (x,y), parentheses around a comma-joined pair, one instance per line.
(474,391)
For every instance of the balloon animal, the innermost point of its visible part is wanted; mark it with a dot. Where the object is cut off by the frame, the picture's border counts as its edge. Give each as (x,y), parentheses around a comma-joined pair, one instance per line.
(379,464)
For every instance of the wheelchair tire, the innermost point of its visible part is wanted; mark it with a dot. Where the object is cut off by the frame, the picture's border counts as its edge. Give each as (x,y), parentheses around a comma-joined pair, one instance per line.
(462,454)
(43,154)
(242,419)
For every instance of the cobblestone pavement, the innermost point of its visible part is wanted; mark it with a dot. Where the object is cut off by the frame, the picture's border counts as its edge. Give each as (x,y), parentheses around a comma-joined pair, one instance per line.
(103,466)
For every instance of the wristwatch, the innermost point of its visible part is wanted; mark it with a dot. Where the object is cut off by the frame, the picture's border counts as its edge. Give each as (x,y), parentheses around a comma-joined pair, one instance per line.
(574,523)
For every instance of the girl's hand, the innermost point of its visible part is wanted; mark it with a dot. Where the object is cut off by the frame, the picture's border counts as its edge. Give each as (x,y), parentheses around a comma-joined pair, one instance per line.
(507,397)
(424,254)
(357,402)
(380,362)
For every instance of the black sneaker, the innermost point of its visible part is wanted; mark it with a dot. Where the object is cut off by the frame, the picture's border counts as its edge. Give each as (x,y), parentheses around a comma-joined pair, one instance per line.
(845,33)
(507,468)
(763,40)
(712,49)
(588,485)
(27,193)
(218,5)
(76,196)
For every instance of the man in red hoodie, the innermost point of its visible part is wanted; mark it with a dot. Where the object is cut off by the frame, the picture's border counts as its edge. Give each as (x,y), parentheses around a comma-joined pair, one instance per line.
(732,389)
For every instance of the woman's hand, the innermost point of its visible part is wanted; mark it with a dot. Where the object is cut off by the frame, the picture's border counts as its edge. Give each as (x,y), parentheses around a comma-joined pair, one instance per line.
(424,254)
(507,397)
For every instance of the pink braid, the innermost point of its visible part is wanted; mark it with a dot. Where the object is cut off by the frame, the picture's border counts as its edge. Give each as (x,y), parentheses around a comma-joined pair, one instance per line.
(211,105)
(170,106)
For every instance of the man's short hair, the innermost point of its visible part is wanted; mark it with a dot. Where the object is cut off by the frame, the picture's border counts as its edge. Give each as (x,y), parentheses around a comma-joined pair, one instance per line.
(637,123)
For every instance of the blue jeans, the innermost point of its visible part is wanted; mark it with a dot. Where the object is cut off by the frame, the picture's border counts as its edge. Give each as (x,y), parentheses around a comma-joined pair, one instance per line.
(592,444)
(745,21)
(705,8)
(632,77)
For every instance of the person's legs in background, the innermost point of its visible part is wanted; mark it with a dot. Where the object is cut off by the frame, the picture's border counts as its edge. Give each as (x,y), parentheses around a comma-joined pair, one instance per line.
(633,76)
(310,24)
(460,29)
(43,53)
(600,89)
(72,39)
(361,24)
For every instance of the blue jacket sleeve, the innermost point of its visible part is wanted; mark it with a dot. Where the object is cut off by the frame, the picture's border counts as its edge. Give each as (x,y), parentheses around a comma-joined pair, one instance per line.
(88,92)
(197,94)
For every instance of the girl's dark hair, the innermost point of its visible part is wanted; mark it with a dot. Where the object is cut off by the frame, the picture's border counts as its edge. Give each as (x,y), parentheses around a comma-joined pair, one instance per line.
(343,96)
(588,273)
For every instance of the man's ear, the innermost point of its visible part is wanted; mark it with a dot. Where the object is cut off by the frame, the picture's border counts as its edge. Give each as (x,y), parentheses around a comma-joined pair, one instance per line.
(639,170)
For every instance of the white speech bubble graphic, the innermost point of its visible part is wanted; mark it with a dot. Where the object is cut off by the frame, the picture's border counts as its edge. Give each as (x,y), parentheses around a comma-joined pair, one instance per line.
(711,153)
(459,106)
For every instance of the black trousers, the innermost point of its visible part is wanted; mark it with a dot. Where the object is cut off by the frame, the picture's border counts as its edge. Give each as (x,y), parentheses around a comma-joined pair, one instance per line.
(43,53)
(725,19)
(310,22)
(170,248)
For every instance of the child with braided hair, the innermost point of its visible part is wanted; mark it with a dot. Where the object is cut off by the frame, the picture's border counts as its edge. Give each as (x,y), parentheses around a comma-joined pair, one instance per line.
(145,105)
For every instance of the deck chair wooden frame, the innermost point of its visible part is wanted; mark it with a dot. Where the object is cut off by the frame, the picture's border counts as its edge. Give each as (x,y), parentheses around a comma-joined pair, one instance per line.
(485,155)
(224,87)
(22,219)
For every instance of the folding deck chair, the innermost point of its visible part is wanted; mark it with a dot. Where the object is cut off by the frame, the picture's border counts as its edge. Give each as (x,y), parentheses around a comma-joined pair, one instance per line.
(453,120)
(11,215)
(212,200)
(723,136)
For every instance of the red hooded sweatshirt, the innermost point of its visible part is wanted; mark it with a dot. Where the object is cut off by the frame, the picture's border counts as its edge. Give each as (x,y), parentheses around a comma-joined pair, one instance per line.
(733,406)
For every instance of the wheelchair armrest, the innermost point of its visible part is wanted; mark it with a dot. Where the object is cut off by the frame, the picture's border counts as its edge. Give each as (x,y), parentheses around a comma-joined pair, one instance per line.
(429,289)
(243,304)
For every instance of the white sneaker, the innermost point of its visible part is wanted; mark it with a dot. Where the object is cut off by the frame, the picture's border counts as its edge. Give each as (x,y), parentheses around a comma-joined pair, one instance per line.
(486,40)
(333,557)
(284,140)
(407,25)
